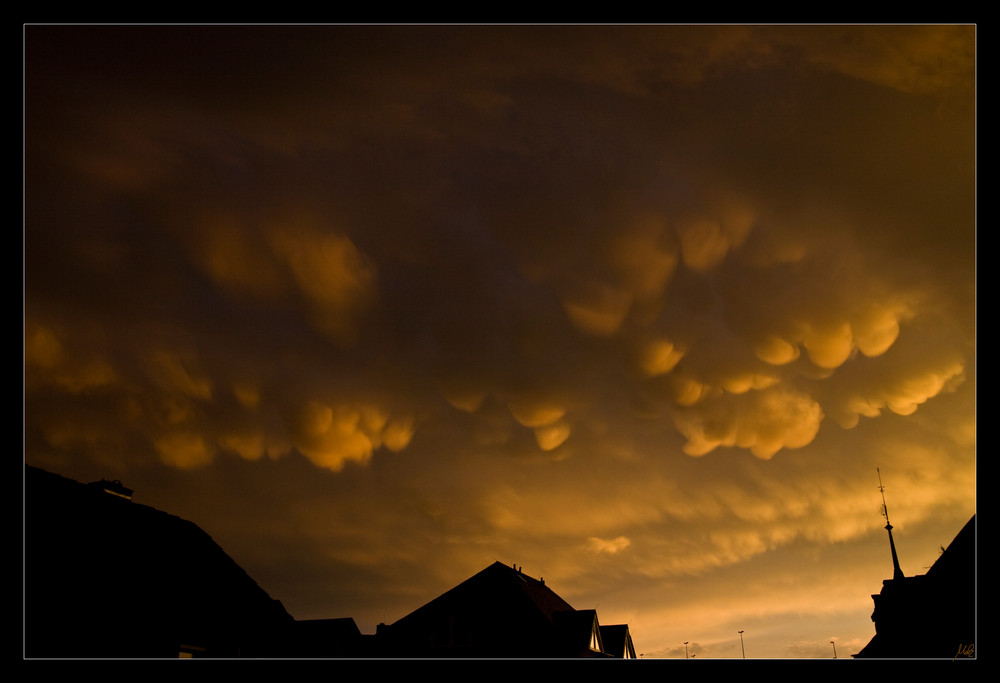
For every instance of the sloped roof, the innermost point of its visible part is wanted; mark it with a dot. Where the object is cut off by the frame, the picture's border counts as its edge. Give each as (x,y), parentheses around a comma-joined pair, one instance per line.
(931,615)
(499,612)
(578,630)
(107,577)
(617,640)
(958,561)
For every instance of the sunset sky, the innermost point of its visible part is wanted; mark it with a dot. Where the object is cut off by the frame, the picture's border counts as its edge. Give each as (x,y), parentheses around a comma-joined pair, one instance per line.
(637,308)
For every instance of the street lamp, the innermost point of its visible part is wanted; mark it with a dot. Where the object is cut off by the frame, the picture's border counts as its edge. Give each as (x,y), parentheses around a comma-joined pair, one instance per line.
(741,645)
(685,649)
(834,649)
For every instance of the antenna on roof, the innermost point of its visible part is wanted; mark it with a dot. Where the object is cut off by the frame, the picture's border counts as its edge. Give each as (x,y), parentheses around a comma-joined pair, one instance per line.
(897,573)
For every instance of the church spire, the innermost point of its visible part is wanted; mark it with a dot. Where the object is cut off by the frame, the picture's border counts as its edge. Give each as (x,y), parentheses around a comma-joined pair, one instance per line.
(897,573)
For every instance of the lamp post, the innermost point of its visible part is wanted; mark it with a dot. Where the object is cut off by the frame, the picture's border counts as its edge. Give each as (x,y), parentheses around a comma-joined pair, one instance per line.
(834,649)
(741,645)
(685,649)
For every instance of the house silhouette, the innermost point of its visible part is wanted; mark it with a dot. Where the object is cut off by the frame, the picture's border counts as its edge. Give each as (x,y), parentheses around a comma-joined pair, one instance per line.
(105,577)
(501,613)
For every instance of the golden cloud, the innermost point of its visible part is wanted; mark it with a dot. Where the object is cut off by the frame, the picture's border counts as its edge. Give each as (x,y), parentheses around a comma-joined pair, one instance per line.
(659,356)
(762,421)
(42,347)
(247,446)
(877,327)
(47,361)
(901,387)
(551,436)
(173,371)
(247,394)
(92,375)
(464,397)
(184,450)
(707,240)
(598,309)
(608,546)
(231,254)
(332,436)
(830,345)
(535,412)
(337,279)
(398,433)
(645,258)
(776,351)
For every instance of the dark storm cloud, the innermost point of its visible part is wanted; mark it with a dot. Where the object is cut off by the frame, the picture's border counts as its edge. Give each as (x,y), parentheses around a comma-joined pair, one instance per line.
(494,286)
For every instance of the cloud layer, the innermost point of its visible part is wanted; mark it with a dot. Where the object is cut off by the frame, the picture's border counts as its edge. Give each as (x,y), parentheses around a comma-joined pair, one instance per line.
(646,303)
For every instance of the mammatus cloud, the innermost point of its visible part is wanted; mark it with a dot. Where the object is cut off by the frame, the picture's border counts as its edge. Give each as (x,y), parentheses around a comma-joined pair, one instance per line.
(673,265)
(706,240)
(643,320)
(553,435)
(764,424)
(331,436)
(609,546)
(44,351)
(747,358)
(184,450)
(337,280)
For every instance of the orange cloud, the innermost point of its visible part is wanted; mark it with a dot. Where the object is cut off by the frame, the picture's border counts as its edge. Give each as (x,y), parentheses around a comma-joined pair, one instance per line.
(336,278)
(829,346)
(645,258)
(331,436)
(231,254)
(535,412)
(551,436)
(42,347)
(659,356)
(776,351)
(763,422)
(598,309)
(184,450)
(175,371)
(608,546)
(706,240)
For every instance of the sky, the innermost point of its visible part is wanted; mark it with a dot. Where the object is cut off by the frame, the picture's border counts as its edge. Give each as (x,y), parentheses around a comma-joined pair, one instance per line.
(640,309)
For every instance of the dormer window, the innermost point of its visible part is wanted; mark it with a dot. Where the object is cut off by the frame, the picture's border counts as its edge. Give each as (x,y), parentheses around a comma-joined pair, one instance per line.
(595,639)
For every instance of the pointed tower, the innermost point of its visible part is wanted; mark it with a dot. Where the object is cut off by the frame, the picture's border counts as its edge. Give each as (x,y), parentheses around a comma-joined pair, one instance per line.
(897,573)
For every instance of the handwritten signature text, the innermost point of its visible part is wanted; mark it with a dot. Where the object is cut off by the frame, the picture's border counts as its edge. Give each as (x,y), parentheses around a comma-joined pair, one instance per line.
(965,651)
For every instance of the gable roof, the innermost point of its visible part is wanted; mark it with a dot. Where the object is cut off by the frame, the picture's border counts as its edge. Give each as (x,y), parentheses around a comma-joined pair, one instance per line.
(579,631)
(617,641)
(499,612)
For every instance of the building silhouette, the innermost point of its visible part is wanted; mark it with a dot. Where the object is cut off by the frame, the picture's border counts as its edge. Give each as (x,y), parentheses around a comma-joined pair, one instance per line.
(617,641)
(105,577)
(109,578)
(932,615)
(502,612)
